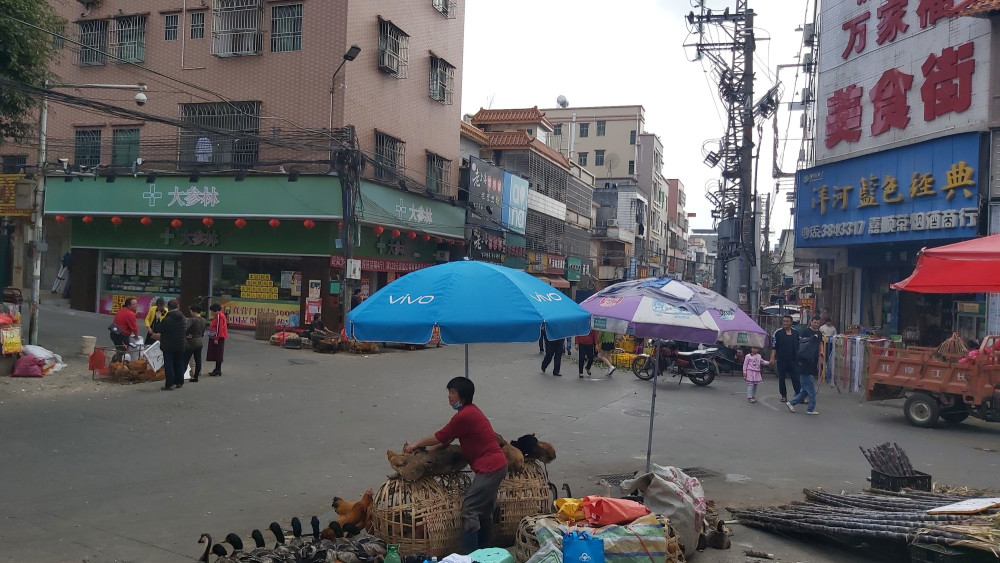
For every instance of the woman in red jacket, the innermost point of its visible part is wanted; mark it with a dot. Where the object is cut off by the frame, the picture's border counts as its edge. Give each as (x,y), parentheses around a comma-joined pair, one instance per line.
(125,320)
(218,332)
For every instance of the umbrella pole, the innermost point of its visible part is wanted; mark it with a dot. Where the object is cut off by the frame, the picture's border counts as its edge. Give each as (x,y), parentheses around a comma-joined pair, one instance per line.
(467,361)
(652,406)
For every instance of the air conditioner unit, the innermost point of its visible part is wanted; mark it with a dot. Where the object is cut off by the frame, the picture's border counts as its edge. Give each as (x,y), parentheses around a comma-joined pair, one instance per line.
(389,62)
(806,95)
(808,34)
(612,222)
(442,255)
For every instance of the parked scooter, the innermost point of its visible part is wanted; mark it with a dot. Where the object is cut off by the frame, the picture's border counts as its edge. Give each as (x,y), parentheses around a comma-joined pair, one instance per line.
(729,359)
(699,365)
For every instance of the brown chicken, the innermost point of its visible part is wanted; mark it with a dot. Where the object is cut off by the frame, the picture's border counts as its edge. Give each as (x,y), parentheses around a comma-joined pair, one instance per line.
(358,513)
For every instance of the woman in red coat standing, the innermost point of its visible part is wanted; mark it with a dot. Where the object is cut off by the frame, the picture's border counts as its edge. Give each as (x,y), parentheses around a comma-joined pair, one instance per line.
(218,332)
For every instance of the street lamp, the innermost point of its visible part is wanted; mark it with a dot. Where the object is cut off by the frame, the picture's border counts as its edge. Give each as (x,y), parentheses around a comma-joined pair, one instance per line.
(350,55)
(38,204)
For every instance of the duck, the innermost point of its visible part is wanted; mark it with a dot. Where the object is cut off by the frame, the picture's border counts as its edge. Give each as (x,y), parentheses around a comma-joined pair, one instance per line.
(215,549)
(280,548)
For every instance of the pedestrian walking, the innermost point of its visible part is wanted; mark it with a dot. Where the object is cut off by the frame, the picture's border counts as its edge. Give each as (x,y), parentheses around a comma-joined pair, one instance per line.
(784,350)
(218,332)
(751,372)
(607,344)
(808,367)
(553,355)
(195,340)
(828,330)
(586,347)
(153,318)
(125,324)
(479,445)
(173,343)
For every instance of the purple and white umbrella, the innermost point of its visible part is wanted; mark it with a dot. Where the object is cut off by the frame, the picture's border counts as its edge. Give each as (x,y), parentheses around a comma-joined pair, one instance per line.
(671,309)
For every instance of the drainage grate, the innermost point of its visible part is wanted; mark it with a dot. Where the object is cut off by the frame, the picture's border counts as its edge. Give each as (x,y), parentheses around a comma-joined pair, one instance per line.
(700,472)
(615,479)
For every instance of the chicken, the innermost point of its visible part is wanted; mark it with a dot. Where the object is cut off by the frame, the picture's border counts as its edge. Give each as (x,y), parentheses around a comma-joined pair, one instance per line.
(356,513)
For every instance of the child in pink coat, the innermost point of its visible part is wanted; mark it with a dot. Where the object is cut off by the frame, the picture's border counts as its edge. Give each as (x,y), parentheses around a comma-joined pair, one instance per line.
(751,372)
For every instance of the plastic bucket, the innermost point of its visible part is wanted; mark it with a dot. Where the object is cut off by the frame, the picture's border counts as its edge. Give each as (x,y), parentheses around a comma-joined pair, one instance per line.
(87,344)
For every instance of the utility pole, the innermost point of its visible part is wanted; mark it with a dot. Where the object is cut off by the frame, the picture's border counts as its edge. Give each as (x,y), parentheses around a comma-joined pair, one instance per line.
(735,210)
(349,164)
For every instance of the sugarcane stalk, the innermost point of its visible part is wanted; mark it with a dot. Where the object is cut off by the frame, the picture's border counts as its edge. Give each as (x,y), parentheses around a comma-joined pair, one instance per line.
(850,528)
(907,466)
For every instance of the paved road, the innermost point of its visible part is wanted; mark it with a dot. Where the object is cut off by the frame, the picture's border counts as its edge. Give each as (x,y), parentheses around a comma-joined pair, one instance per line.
(135,474)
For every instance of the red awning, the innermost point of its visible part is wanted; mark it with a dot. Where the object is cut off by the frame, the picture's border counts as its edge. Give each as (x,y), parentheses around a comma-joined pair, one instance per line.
(971,266)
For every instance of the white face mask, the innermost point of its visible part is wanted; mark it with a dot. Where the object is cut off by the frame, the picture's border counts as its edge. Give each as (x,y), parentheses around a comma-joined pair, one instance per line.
(457,405)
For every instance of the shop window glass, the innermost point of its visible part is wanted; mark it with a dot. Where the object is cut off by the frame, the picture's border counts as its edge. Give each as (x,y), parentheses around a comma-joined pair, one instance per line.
(143,275)
(247,286)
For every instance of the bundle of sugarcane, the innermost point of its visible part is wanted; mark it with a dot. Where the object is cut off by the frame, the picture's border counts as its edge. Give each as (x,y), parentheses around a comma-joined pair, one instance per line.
(889,459)
(897,516)
(941,529)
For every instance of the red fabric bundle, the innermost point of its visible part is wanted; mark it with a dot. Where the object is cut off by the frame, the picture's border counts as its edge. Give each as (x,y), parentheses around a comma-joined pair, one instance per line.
(603,511)
(28,366)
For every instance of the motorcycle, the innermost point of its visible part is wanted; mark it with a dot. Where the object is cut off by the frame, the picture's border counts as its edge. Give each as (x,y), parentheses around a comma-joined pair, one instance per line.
(699,365)
(729,359)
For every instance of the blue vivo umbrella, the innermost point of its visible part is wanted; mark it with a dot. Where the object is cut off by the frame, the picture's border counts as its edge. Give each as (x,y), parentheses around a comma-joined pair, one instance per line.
(470,302)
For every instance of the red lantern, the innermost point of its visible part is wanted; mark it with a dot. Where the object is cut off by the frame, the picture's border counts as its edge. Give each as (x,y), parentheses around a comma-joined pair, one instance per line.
(207,221)
(176,223)
(340,225)
(427,238)
(412,234)
(461,243)
(240,223)
(88,219)
(146,221)
(395,233)
(451,242)
(60,218)
(308,223)
(378,230)
(116,220)
(274,223)
(438,240)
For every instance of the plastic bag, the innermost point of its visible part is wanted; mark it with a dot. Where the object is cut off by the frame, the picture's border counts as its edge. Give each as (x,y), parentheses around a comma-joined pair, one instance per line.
(548,553)
(641,541)
(28,366)
(676,495)
(602,511)
(581,547)
(52,361)
(569,509)
(154,356)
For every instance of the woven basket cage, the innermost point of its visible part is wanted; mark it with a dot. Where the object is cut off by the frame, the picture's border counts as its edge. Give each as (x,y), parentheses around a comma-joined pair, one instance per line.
(521,494)
(527,543)
(422,516)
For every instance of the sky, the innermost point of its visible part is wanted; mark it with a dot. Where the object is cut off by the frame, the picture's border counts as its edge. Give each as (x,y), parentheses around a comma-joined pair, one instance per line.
(521,53)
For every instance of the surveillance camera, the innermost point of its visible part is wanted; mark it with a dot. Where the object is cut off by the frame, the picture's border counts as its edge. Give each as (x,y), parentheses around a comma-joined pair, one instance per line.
(140,99)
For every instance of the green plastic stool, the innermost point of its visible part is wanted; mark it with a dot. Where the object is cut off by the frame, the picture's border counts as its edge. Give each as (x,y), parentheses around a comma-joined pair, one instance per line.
(492,555)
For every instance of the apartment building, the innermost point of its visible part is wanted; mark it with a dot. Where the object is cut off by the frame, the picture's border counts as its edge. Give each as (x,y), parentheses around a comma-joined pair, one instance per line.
(247,106)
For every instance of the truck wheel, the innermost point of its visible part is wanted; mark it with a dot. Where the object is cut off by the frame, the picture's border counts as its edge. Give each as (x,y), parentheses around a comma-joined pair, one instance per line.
(922,410)
(954,417)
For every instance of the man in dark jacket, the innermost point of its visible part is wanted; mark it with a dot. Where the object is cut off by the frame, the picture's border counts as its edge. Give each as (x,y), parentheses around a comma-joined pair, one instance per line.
(808,366)
(173,341)
(784,348)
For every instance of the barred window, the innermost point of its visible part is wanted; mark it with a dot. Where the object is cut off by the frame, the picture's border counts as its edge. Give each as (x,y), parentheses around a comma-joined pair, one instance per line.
(389,157)
(286,28)
(237,149)
(581,159)
(599,158)
(438,172)
(393,49)
(442,81)
(197,25)
(14,163)
(124,146)
(631,167)
(236,28)
(93,42)
(584,130)
(87,150)
(631,137)
(170,26)
(128,38)
(602,127)
(446,7)
(557,129)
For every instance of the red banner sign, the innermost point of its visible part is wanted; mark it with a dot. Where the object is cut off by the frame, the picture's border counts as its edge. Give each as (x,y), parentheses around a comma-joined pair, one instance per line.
(381,265)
